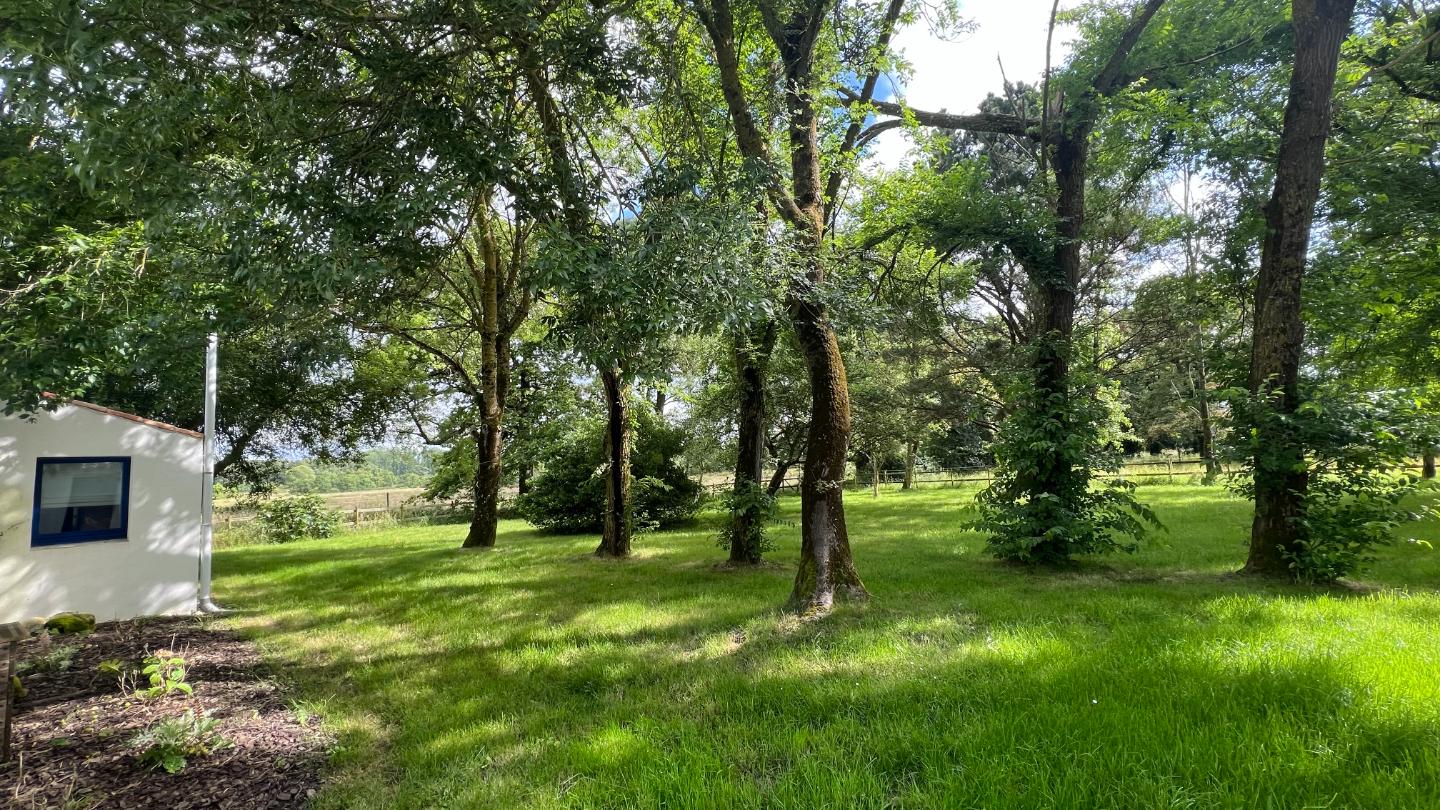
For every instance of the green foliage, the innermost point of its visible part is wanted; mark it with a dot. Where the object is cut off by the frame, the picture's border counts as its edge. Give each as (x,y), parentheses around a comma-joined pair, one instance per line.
(1354,453)
(761,506)
(1064,438)
(166,674)
(169,744)
(381,468)
(569,495)
(282,520)
(56,659)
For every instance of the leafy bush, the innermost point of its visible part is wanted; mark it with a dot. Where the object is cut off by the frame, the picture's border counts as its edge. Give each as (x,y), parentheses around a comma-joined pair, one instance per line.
(1078,433)
(569,495)
(762,506)
(1358,491)
(169,743)
(283,520)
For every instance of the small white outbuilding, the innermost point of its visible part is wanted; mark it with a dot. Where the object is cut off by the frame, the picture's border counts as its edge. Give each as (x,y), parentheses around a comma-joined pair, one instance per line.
(100,512)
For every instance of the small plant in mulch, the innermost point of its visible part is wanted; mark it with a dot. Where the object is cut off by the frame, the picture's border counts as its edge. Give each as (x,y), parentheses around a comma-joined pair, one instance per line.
(166,673)
(168,744)
(54,660)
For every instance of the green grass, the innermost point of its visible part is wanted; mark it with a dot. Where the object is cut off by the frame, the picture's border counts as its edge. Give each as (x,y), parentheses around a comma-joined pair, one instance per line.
(538,676)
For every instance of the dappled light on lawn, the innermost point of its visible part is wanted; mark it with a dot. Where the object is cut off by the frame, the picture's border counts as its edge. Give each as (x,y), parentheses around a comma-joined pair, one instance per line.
(539,676)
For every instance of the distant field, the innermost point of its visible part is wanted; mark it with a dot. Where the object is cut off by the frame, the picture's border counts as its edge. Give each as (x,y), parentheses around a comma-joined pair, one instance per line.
(365,499)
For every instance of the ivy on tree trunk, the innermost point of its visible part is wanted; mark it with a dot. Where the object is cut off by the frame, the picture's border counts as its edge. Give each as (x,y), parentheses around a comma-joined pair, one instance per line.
(1281,476)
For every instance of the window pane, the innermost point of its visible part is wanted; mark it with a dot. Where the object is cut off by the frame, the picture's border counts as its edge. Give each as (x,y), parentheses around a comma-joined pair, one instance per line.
(80,497)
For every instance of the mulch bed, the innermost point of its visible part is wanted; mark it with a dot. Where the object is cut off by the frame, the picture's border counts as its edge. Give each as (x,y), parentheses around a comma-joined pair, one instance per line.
(73,729)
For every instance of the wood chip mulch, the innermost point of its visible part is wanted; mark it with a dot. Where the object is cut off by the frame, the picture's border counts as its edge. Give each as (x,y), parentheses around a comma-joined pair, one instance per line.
(73,730)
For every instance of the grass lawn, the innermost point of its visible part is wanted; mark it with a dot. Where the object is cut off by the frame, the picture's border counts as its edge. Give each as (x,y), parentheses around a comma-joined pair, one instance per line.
(538,676)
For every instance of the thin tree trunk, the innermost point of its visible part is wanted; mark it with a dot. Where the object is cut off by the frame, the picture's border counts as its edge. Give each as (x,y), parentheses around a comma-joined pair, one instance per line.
(910,450)
(751,361)
(875,473)
(661,397)
(1281,480)
(1427,463)
(615,536)
(1207,428)
(494,374)
(522,479)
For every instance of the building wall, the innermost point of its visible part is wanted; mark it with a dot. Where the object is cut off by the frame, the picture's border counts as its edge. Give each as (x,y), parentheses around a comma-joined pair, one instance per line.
(151,572)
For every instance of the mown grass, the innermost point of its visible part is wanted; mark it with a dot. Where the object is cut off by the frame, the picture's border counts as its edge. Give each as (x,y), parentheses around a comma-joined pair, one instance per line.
(538,676)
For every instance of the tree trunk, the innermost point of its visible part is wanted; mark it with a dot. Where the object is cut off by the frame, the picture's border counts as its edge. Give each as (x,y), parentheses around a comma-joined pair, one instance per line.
(826,566)
(494,376)
(875,473)
(1427,463)
(660,399)
(777,478)
(522,479)
(1057,280)
(615,536)
(910,449)
(486,489)
(1281,479)
(751,361)
(1207,435)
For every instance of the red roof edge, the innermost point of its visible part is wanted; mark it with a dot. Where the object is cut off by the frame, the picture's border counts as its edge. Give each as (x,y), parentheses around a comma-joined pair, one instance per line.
(129,417)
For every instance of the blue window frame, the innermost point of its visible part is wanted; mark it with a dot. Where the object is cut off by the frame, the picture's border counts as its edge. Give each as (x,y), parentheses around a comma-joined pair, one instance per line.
(80,499)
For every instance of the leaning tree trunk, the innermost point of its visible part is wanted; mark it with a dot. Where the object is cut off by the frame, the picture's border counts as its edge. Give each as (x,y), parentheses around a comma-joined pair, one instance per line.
(1281,479)
(777,478)
(615,535)
(751,359)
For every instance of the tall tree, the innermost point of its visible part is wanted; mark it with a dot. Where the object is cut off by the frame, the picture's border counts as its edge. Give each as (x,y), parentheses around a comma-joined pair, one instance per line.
(804,198)
(1280,474)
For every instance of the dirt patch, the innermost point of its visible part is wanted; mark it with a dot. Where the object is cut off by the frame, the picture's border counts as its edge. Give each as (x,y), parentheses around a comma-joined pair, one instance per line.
(73,729)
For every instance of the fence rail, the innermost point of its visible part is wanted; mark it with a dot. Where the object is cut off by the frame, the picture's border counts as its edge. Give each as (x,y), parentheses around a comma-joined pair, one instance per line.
(1174,470)
(358,516)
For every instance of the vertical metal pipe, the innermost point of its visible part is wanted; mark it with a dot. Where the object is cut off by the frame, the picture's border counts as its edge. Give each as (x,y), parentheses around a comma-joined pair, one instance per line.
(207,493)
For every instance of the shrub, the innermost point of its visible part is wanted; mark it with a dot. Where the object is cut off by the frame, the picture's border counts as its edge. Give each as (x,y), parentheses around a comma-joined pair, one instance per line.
(1082,431)
(1358,492)
(169,743)
(763,508)
(569,495)
(285,519)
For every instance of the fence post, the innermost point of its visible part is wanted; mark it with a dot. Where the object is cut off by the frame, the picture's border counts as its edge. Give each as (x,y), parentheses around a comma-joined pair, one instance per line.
(355,517)
(387,500)
(1169,472)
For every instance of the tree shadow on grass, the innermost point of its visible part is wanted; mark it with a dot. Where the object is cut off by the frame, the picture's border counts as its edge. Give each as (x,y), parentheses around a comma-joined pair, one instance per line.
(537,675)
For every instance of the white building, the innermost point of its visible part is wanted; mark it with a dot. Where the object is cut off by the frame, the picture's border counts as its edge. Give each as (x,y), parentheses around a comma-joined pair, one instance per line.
(100,512)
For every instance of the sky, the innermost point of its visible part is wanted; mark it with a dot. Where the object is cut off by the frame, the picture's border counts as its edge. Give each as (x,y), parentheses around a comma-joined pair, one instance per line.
(956,74)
